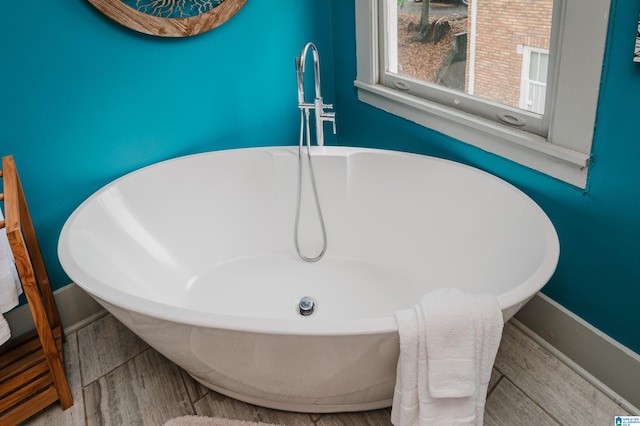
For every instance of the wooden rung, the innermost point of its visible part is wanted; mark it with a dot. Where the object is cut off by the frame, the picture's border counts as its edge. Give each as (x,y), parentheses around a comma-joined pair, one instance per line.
(23,346)
(17,368)
(1,196)
(26,376)
(2,224)
(29,407)
(26,383)
(29,389)
(23,377)
(18,353)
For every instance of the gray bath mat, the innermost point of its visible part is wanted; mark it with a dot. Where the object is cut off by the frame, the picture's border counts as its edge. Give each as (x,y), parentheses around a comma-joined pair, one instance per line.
(211,421)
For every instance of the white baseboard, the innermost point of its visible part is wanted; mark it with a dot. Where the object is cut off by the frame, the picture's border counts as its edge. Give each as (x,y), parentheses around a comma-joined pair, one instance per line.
(604,362)
(76,308)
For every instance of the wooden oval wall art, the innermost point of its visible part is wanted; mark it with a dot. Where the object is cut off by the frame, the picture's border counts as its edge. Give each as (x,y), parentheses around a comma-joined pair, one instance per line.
(169,18)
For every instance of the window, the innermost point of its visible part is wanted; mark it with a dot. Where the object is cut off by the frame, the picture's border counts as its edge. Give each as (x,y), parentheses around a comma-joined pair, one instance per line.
(534,104)
(533,80)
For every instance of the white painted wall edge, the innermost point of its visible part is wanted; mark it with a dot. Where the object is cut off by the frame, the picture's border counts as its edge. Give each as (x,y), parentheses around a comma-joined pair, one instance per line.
(602,361)
(608,365)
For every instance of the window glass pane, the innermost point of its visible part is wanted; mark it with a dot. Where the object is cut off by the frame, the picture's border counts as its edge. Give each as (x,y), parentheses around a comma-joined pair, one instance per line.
(533,66)
(544,65)
(472,46)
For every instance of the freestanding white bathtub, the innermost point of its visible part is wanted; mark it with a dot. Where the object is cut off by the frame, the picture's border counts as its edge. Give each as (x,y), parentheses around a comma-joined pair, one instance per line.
(196,256)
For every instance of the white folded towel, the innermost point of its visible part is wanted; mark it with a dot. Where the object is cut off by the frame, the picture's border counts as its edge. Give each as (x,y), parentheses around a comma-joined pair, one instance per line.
(451,343)
(447,350)
(490,328)
(5,331)
(405,409)
(10,286)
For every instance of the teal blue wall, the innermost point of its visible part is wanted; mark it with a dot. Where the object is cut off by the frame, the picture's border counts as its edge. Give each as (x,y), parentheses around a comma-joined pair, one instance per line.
(84,100)
(598,276)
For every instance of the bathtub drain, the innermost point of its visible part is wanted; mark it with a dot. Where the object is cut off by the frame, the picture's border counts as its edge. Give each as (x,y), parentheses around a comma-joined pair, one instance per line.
(306,306)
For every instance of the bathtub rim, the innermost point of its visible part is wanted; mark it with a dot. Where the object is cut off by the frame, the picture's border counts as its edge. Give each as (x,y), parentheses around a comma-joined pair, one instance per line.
(510,302)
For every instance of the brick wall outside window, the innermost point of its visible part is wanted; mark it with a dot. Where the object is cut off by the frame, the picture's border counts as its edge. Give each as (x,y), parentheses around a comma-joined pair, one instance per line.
(501,26)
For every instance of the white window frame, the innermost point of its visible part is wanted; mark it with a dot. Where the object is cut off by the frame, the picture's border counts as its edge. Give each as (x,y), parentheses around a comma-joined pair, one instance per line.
(580,29)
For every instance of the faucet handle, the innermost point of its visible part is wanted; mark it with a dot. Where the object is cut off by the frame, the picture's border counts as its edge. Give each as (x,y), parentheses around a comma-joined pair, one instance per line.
(331,117)
(328,115)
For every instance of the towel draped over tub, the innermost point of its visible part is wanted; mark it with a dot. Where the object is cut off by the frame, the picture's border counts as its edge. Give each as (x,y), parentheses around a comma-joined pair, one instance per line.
(448,344)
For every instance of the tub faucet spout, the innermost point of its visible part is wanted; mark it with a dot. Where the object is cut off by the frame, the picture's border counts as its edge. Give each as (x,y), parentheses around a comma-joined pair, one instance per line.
(320,108)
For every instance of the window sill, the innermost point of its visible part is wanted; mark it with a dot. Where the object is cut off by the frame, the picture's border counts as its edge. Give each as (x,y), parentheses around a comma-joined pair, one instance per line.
(521,147)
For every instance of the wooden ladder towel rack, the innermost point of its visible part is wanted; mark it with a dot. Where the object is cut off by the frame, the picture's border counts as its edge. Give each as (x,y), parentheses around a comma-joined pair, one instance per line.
(32,375)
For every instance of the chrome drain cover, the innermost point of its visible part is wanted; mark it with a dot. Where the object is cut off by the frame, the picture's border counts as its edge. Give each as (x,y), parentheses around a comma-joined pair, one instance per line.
(306,306)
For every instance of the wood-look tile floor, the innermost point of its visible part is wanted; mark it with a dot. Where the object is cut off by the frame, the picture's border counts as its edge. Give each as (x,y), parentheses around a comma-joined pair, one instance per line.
(116,379)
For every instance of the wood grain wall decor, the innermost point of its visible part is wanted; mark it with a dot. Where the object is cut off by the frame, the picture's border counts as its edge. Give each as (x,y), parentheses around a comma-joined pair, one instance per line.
(169,18)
